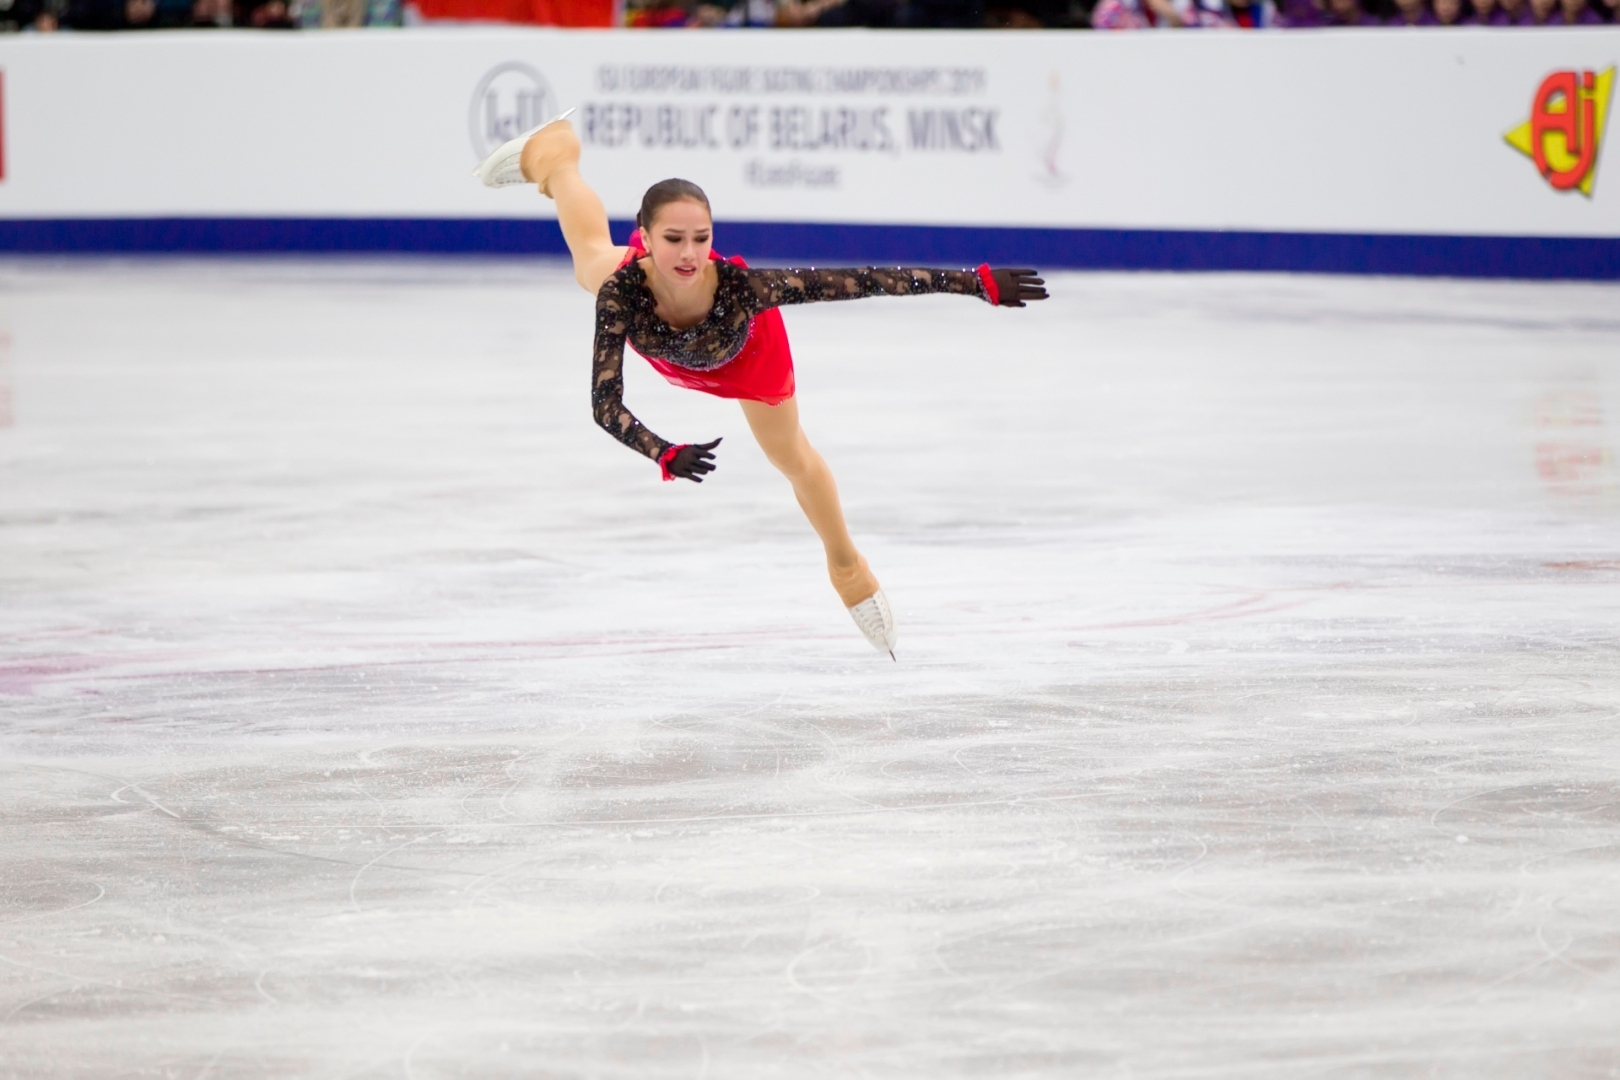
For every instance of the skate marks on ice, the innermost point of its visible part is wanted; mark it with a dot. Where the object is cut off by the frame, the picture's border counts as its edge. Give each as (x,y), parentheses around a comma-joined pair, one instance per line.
(1034,885)
(368,713)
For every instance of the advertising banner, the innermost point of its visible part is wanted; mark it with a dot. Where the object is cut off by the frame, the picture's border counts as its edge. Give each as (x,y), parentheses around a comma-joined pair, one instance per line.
(1472,132)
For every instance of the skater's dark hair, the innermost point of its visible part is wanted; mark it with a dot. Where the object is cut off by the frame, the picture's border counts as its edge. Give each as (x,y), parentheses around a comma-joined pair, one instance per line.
(665,192)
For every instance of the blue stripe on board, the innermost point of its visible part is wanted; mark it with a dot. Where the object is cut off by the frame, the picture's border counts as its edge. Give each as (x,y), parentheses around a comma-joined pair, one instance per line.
(1099,249)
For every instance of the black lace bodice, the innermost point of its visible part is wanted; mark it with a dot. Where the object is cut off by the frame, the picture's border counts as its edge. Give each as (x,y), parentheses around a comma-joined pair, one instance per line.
(625,303)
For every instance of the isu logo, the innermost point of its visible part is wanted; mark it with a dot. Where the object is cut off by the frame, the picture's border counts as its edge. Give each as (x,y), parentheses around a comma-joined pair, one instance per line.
(1565,128)
(509,100)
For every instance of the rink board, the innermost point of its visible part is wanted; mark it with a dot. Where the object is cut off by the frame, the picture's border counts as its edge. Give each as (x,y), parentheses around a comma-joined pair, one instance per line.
(1351,151)
(1098,249)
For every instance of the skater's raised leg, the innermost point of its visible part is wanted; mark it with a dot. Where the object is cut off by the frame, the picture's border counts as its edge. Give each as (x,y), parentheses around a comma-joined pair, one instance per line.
(551,161)
(785,445)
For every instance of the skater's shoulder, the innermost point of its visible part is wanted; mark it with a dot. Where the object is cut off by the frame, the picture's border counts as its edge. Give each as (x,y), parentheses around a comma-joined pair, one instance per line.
(729,273)
(625,279)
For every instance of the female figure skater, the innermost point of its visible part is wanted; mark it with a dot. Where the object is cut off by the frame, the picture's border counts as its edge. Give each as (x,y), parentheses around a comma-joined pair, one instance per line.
(712,325)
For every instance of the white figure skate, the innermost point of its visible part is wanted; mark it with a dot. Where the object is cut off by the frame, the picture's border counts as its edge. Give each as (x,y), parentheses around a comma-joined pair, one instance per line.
(504,167)
(876,620)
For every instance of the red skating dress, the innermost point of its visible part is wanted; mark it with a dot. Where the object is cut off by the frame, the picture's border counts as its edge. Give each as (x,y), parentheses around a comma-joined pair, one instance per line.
(762,371)
(740,350)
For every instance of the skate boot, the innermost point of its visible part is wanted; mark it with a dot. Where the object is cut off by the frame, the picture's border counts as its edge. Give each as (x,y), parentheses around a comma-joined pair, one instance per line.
(504,167)
(876,620)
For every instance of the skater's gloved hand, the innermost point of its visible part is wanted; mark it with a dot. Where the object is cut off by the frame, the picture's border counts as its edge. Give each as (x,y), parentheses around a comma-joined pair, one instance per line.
(694,461)
(1017,286)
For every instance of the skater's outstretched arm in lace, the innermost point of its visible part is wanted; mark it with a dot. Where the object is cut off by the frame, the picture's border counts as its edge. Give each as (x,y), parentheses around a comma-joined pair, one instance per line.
(780,288)
(783,288)
(607,375)
(692,462)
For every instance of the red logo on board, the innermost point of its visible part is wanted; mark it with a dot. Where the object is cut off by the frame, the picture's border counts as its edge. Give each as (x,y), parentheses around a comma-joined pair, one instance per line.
(1565,129)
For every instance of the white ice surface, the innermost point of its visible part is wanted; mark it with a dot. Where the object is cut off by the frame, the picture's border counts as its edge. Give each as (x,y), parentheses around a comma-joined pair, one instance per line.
(369,713)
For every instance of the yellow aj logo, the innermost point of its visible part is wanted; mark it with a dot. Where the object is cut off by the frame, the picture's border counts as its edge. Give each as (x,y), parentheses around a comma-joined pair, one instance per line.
(1566,127)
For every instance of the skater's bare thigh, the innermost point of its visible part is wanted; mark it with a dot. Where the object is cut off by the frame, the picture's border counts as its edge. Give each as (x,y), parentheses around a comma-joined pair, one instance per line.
(592,267)
(776,427)
(551,159)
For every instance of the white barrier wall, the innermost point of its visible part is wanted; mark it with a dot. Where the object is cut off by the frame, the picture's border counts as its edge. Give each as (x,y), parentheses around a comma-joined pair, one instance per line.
(1379,131)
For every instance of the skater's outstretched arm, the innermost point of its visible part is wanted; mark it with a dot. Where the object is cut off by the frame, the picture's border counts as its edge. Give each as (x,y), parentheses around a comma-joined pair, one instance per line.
(778,288)
(607,374)
(690,462)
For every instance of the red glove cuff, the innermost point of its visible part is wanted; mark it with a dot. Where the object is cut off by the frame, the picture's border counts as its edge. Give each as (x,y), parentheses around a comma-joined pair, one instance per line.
(667,457)
(991,293)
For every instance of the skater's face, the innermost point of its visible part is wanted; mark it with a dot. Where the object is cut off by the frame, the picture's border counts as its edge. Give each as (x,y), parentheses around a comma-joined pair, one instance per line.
(679,241)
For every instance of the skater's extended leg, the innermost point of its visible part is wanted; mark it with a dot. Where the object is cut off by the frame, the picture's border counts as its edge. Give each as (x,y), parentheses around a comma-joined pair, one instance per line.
(784,442)
(551,160)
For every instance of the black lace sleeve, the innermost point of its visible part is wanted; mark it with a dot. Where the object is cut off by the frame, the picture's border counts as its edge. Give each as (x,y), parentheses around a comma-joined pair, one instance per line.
(778,288)
(607,372)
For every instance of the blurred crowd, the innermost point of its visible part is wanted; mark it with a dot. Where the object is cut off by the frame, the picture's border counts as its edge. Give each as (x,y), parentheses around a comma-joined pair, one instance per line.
(1306,14)
(48,15)
(1120,14)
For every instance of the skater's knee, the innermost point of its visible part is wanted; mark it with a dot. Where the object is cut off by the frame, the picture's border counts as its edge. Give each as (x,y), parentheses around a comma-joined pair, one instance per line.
(552,149)
(795,460)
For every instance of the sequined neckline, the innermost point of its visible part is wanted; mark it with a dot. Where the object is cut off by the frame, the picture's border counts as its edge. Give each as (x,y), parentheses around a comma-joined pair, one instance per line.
(664,324)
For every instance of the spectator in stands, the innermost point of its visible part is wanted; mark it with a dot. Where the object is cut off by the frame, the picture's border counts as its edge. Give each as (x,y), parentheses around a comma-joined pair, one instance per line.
(761,13)
(1515,13)
(910,14)
(1131,14)
(1302,14)
(1056,14)
(1576,13)
(168,14)
(326,14)
(766,13)
(150,14)
(1012,18)
(940,14)
(1486,13)
(656,16)
(1347,13)
(803,12)
(868,13)
(1145,14)
(1411,13)
(265,14)
(1036,14)
(18,15)
(110,14)
(1449,13)
(1254,14)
